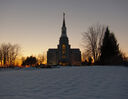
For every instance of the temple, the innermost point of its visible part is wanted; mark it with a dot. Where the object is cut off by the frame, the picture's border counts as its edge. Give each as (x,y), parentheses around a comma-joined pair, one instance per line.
(64,55)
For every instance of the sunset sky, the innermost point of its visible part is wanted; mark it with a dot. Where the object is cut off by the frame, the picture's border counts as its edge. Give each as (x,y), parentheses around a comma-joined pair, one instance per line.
(36,24)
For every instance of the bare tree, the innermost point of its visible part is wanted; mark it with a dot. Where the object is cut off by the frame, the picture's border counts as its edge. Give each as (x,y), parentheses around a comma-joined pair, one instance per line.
(83,56)
(8,54)
(41,58)
(13,53)
(92,40)
(1,57)
(5,53)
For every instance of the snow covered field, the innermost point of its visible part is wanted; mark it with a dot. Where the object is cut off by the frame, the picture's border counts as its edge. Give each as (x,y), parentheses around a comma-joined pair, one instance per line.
(65,83)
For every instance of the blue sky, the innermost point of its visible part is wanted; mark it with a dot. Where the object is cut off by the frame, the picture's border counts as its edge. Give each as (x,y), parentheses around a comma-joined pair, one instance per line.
(36,24)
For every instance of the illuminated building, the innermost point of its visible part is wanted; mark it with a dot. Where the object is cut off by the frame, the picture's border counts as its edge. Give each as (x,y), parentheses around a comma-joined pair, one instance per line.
(64,55)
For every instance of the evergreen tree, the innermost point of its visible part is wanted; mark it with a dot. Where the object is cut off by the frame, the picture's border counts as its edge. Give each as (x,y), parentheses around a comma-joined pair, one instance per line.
(90,61)
(109,49)
(31,61)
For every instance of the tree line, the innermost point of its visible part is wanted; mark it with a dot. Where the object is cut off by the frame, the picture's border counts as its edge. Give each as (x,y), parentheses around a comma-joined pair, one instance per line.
(101,47)
(8,54)
(34,61)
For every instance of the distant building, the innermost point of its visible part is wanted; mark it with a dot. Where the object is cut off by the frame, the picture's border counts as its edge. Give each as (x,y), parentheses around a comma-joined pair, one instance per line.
(64,55)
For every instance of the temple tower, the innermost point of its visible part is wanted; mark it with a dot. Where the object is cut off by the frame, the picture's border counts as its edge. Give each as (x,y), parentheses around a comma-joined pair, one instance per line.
(64,47)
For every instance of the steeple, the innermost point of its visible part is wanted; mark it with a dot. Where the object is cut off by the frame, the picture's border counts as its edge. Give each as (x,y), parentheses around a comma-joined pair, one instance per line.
(63,20)
(63,34)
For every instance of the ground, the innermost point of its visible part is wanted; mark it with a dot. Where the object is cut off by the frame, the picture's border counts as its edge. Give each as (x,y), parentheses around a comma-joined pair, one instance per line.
(94,82)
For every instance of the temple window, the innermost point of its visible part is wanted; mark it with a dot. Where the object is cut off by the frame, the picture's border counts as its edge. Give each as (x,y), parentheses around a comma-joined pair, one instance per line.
(63,49)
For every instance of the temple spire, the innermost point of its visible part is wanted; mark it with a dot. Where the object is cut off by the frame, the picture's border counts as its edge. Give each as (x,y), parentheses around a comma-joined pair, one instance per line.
(64,19)
(64,34)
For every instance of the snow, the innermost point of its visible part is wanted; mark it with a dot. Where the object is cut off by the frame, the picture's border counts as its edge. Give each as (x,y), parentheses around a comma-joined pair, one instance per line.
(94,82)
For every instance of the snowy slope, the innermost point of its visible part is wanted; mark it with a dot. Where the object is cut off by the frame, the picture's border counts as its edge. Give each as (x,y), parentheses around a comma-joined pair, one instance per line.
(65,83)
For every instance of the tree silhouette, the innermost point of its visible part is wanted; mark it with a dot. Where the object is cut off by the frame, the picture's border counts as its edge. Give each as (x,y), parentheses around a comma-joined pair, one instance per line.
(8,54)
(92,40)
(90,61)
(110,52)
(41,58)
(31,61)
